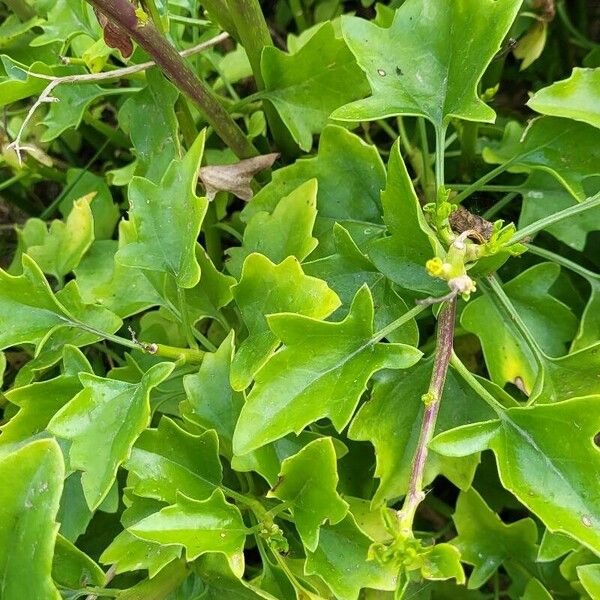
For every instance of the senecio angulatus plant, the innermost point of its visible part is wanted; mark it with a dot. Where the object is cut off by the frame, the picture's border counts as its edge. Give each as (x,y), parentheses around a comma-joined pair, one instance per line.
(300,300)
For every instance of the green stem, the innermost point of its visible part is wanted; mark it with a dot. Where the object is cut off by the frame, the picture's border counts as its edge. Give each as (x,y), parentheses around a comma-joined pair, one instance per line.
(152,10)
(485,188)
(407,316)
(297,11)
(468,143)
(121,13)
(425,158)
(500,298)
(219,12)
(561,215)
(440,139)
(404,136)
(564,17)
(505,201)
(12,180)
(472,382)
(254,35)
(386,127)
(187,355)
(185,318)
(432,399)
(477,185)
(565,262)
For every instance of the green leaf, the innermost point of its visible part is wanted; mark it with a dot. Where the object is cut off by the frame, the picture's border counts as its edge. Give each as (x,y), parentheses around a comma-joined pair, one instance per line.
(555,545)
(160,586)
(551,322)
(33,313)
(536,591)
(577,97)
(72,568)
(589,326)
(211,525)
(350,175)
(289,291)
(589,576)
(211,401)
(31,487)
(124,290)
(127,552)
(402,255)
(547,458)
(306,86)
(485,542)
(105,212)
(307,482)
(341,561)
(544,196)
(168,460)
(285,232)
(124,411)
(38,402)
(72,100)
(422,66)
(321,371)
(59,249)
(347,270)
(167,218)
(130,553)
(391,421)
(566,149)
(156,145)
(67,19)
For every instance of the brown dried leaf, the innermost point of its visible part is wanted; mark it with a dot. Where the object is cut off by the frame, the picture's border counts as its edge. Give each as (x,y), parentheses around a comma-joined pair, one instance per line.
(235,178)
(114,35)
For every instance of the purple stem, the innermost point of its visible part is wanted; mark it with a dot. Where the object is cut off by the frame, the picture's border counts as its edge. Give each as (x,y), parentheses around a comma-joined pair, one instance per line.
(443,353)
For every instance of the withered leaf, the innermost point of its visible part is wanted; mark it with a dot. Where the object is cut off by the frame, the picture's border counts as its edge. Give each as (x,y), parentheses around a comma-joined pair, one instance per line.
(236,177)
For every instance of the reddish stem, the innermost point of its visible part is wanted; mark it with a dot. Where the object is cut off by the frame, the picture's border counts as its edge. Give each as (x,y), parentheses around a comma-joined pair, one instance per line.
(443,353)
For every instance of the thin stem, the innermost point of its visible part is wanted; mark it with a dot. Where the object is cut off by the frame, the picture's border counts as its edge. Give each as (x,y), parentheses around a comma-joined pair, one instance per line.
(477,185)
(443,352)
(440,139)
(561,215)
(387,129)
(12,180)
(504,201)
(45,96)
(485,188)
(122,14)
(298,14)
(564,17)
(187,355)
(185,318)
(407,316)
(564,262)
(404,136)
(152,9)
(472,382)
(425,157)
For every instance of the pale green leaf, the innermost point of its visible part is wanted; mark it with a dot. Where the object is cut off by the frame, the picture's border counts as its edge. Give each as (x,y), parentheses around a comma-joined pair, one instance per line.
(31,312)
(287,231)
(167,218)
(289,291)
(321,371)
(211,525)
(29,496)
(577,97)
(350,175)
(123,409)
(307,483)
(168,460)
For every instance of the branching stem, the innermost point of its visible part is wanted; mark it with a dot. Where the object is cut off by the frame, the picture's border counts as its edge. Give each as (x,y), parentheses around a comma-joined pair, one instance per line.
(46,95)
(121,14)
(443,353)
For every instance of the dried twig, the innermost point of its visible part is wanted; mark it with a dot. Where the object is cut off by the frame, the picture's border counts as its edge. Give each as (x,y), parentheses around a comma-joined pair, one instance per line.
(46,97)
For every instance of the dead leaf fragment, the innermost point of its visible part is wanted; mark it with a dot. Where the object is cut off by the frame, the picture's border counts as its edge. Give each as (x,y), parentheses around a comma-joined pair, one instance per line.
(236,177)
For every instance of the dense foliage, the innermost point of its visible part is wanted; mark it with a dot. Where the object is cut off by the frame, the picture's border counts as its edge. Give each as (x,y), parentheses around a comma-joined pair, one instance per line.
(310,312)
